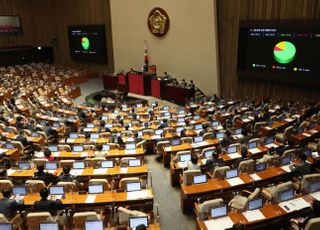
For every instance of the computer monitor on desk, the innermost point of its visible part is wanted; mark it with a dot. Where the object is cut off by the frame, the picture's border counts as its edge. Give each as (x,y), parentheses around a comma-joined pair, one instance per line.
(252,145)
(185,157)
(286,195)
(50,166)
(130,146)
(6,226)
(133,186)
(95,189)
(48,226)
(208,154)
(105,147)
(175,142)
(53,148)
(73,135)
(136,221)
(286,160)
(255,204)
(261,167)
(94,136)
(93,225)
(218,211)
(56,190)
(78,165)
(200,179)
(134,163)
(269,140)
(314,186)
(19,190)
(231,173)
(9,146)
(232,149)
(77,148)
(107,164)
(197,127)
(198,139)
(22,165)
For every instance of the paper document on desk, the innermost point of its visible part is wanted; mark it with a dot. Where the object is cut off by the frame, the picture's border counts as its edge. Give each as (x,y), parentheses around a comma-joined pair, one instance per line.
(39,154)
(315,195)
(294,205)
(195,145)
(267,127)
(254,215)
(272,145)
(246,120)
(255,177)
(204,161)
(154,137)
(100,171)
(76,172)
(182,164)
(10,172)
(239,136)
(84,154)
(286,168)
(137,195)
(219,224)
(130,151)
(87,129)
(90,199)
(55,154)
(235,181)
(254,151)
(69,140)
(234,155)
(313,131)
(167,149)
(3,150)
(219,127)
(123,170)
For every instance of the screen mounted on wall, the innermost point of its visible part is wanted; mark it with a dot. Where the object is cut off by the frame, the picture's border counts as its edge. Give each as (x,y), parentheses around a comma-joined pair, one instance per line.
(280,51)
(10,25)
(87,43)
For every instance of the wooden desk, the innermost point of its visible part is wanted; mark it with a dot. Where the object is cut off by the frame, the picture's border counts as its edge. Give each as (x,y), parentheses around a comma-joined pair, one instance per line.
(307,135)
(13,154)
(221,188)
(124,153)
(150,227)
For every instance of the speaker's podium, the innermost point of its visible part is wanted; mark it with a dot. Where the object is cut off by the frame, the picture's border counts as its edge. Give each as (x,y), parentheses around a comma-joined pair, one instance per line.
(140,83)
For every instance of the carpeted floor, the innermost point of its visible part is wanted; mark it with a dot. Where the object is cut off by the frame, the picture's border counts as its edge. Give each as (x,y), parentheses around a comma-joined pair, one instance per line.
(168,198)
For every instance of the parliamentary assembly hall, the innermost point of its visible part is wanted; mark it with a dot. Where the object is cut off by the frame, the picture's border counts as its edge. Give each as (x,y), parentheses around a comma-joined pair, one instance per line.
(159,114)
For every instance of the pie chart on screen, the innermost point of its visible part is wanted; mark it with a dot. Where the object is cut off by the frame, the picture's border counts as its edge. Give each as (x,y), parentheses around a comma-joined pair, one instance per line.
(284,52)
(85,43)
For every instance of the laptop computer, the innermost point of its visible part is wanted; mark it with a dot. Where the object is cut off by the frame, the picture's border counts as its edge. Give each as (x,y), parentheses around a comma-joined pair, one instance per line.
(175,142)
(208,154)
(198,139)
(105,147)
(93,225)
(56,190)
(252,145)
(136,221)
(197,127)
(6,226)
(9,146)
(19,190)
(179,129)
(95,189)
(134,163)
(255,204)
(77,148)
(48,226)
(133,187)
(286,195)
(261,167)
(50,166)
(53,148)
(314,187)
(35,134)
(158,131)
(269,140)
(130,146)
(231,173)
(73,135)
(238,131)
(94,136)
(219,211)
(285,160)
(232,149)
(184,157)
(220,135)
(90,125)
(78,165)
(24,165)
(200,179)
(107,164)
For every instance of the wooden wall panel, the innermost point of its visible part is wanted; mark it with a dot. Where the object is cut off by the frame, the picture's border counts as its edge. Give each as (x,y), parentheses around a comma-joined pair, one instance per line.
(230,12)
(82,12)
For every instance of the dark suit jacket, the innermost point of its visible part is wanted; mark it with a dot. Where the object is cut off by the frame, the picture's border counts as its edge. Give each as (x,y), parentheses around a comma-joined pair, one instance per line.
(8,207)
(48,206)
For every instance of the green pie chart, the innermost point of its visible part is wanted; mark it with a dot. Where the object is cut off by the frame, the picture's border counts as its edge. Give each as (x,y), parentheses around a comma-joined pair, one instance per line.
(85,43)
(284,52)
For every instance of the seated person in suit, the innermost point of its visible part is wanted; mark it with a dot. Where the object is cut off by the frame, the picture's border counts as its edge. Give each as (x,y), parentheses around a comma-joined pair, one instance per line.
(66,176)
(99,152)
(3,174)
(193,164)
(301,168)
(45,205)
(8,207)
(300,222)
(21,137)
(44,176)
(227,139)
(164,124)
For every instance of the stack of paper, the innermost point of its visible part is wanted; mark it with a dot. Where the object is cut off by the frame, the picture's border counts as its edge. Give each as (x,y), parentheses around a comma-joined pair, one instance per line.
(235,181)
(306,134)
(294,205)
(55,154)
(316,195)
(69,140)
(76,172)
(90,199)
(154,137)
(255,177)
(38,154)
(137,195)
(288,119)
(3,150)
(100,171)
(167,148)
(272,145)
(286,168)
(84,154)
(219,224)
(123,170)
(182,165)
(234,155)
(254,150)
(10,172)
(253,215)
(130,151)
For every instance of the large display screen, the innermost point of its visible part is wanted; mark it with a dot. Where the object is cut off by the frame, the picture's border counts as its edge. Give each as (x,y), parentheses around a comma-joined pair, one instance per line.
(10,25)
(87,43)
(280,51)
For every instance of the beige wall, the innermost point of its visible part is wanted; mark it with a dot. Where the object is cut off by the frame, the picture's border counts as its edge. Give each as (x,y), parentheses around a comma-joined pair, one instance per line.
(189,50)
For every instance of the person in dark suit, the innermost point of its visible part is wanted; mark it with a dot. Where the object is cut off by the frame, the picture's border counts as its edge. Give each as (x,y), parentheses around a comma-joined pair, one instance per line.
(44,176)
(45,205)
(163,124)
(66,176)
(21,138)
(227,139)
(301,168)
(8,207)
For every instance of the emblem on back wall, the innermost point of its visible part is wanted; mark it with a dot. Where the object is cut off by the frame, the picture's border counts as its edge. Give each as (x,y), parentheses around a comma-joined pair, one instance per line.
(158,22)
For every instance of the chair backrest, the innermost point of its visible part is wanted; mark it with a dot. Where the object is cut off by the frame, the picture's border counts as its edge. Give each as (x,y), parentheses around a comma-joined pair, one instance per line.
(105,134)
(66,148)
(34,186)
(186,140)
(18,145)
(255,194)
(80,217)
(123,182)
(253,140)
(307,180)
(43,135)
(207,135)
(235,145)
(67,163)
(35,218)
(125,161)
(160,146)
(96,161)
(182,153)
(68,186)
(280,188)
(39,161)
(141,144)
(246,166)
(313,224)
(124,214)
(113,146)
(89,147)
(271,160)
(219,173)
(203,152)
(3,219)
(5,185)
(205,207)
(289,152)
(188,176)
(104,182)
(149,132)
(258,125)
(288,132)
